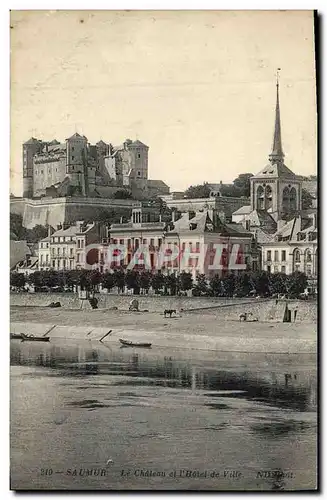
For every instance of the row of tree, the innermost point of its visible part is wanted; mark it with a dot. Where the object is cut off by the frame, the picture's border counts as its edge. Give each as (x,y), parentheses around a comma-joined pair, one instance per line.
(230,285)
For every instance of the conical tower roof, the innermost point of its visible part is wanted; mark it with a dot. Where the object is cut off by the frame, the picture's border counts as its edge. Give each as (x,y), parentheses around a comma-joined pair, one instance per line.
(277,155)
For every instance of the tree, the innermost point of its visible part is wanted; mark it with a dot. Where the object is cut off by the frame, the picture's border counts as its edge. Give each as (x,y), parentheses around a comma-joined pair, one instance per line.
(157,282)
(145,280)
(262,283)
(198,191)
(108,281)
(215,286)
(306,199)
(95,278)
(132,280)
(119,279)
(171,283)
(242,183)
(37,233)
(123,194)
(201,286)
(186,281)
(17,231)
(297,282)
(17,280)
(278,283)
(228,285)
(243,285)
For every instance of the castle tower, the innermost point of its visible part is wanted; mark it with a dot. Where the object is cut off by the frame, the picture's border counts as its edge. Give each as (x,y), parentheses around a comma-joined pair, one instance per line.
(77,163)
(139,163)
(30,148)
(276,189)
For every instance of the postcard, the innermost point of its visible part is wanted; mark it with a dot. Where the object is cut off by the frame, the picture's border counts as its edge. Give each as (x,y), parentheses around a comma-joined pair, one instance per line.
(163,250)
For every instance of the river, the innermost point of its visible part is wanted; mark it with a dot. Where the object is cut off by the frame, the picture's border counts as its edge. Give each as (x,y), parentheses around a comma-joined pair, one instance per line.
(87,416)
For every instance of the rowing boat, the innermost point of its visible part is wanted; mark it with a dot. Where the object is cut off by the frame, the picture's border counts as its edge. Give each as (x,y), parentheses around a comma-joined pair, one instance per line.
(16,336)
(129,343)
(34,339)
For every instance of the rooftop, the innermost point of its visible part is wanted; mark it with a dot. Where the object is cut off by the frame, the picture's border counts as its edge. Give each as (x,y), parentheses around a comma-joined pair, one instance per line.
(276,170)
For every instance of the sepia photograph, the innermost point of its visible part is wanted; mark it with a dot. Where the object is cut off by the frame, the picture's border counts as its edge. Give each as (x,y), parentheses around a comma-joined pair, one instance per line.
(163,250)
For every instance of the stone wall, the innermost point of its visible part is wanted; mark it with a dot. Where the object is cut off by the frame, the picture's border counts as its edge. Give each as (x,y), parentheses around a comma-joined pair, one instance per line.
(226,309)
(55,211)
(151,303)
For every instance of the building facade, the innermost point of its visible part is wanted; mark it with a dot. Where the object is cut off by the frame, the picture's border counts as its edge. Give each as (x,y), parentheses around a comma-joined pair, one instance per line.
(66,248)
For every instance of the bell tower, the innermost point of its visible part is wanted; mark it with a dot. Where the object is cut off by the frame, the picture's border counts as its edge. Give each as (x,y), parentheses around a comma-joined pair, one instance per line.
(276,189)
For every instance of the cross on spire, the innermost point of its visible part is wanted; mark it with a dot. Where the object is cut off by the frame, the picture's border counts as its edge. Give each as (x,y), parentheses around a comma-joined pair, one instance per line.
(277,155)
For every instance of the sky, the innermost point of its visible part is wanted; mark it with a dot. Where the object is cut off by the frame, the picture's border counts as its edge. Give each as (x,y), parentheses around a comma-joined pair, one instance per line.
(198,87)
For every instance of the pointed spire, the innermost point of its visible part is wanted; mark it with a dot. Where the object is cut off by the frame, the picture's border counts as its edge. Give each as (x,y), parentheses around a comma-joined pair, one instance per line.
(277,155)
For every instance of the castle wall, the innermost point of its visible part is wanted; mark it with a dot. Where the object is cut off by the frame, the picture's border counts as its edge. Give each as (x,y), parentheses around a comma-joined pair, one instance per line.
(55,211)
(48,173)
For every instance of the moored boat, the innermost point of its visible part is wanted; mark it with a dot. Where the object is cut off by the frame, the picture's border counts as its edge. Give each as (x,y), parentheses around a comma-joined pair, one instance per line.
(129,343)
(31,338)
(15,336)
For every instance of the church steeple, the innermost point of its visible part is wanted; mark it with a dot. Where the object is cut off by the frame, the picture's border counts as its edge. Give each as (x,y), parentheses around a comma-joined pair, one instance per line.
(277,155)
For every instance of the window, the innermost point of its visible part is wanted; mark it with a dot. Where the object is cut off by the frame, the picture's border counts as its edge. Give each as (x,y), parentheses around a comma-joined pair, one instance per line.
(308,256)
(283,269)
(275,269)
(139,173)
(71,251)
(64,262)
(144,241)
(73,148)
(121,242)
(78,243)
(268,254)
(283,255)
(77,257)
(53,263)
(58,251)
(297,256)
(138,155)
(197,246)
(64,251)
(268,269)
(276,256)
(73,158)
(52,251)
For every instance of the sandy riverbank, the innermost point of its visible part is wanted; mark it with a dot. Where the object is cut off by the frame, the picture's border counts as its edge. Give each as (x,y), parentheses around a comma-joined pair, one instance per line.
(200,331)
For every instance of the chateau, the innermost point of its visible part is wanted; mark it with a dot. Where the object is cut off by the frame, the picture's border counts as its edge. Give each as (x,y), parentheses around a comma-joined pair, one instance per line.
(78,168)
(75,180)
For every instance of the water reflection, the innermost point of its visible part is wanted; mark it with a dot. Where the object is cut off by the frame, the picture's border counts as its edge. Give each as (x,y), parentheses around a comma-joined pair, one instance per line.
(276,388)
